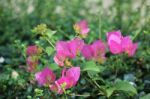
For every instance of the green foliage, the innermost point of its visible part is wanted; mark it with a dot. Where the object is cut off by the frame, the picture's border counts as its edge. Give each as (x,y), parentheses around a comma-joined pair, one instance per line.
(38,92)
(121,86)
(146,96)
(92,67)
(55,19)
(49,50)
(125,86)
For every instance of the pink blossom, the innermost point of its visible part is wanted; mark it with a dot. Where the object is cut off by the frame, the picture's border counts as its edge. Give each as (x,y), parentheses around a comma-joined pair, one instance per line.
(128,46)
(59,59)
(95,51)
(82,28)
(61,84)
(99,48)
(119,44)
(45,77)
(62,47)
(75,46)
(87,51)
(32,50)
(68,79)
(114,42)
(32,63)
(67,49)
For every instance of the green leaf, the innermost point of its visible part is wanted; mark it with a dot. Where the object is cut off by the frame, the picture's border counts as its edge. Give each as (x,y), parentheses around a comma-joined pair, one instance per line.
(54,67)
(50,33)
(110,91)
(147,96)
(92,67)
(38,92)
(49,50)
(125,86)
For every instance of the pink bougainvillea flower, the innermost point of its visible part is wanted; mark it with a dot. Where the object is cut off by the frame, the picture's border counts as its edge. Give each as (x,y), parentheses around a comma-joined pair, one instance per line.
(59,59)
(95,51)
(45,77)
(87,51)
(74,74)
(114,40)
(99,50)
(82,28)
(67,50)
(119,44)
(62,47)
(75,46)
(32,50)
(68,79)
(128,46)
(32,63)
(62,84)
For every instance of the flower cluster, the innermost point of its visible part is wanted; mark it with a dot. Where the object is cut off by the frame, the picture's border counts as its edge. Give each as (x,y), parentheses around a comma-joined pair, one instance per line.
(66,51)
(32,59)
(69,78)
(95,51)
(119,44)
(82,28)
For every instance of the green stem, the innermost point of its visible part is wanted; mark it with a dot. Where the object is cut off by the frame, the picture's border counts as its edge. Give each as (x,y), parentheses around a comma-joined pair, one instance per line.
(50,43)
(100,33)
(78,95)
(61,31)
(100,22)
(101,89)
(65,93)
(137,33)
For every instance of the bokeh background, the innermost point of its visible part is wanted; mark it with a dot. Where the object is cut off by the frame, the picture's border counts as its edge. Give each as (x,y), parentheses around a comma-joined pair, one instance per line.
(19,17)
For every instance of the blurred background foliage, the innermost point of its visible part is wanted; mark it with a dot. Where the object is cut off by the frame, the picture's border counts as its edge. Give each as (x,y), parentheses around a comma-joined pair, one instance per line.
(19,17)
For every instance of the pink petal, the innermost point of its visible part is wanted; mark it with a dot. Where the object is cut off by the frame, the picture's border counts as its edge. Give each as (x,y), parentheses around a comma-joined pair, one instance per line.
(63,48)
(133,49)
(117,33)
(83,24)
(59,59)
(32,50)
(57,86)
(45,77)
(83,27)
(87,51)
(75,46)
(128,46)
(98,48)
(69,78)
(114,40)
(85,31)
(32,63)
(73,73)
(115,48)
(126,43)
